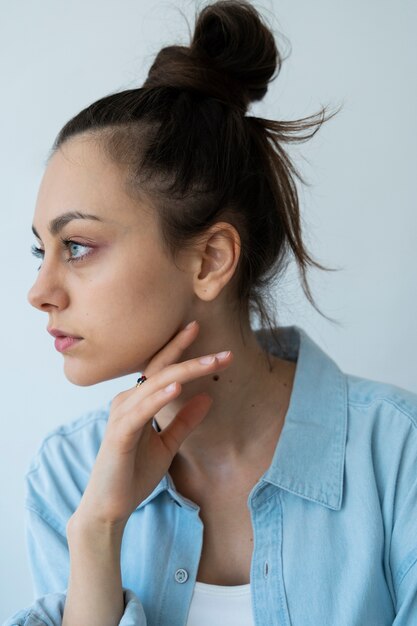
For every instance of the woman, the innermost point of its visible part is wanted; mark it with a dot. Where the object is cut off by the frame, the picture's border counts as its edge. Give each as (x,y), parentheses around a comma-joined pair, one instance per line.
(245,479)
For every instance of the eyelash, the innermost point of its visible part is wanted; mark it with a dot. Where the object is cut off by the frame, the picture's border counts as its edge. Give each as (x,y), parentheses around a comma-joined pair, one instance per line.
(39,253)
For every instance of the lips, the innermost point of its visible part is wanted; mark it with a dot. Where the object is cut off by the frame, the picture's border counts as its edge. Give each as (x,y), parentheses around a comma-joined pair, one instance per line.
(64,343)
(55,332)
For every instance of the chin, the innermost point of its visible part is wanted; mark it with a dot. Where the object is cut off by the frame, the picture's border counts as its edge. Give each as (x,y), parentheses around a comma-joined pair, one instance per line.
(84,375)
(83,380)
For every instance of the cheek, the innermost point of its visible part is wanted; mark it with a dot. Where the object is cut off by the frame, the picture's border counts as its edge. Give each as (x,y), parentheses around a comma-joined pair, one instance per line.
(151,292)
(135,306)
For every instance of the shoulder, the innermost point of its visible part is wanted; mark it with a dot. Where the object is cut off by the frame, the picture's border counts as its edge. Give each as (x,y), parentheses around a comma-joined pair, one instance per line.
(60,468)
(382,422)
(381,447)
(374,398)
(80,438)
(384,417)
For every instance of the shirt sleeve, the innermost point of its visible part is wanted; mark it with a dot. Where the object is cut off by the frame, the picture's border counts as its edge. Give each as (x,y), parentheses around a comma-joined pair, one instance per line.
(49,564)
(406,613)
(49,609)
(403,545)
(46,517)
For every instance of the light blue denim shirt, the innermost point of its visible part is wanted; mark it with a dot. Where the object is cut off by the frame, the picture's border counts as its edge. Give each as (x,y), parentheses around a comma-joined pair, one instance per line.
(334,517)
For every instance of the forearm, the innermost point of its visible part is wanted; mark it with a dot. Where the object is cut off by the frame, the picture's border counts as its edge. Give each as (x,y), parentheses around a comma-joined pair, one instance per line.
(95,593)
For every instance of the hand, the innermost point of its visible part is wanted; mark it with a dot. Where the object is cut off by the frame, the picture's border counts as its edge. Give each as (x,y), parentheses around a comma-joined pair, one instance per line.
(133,456)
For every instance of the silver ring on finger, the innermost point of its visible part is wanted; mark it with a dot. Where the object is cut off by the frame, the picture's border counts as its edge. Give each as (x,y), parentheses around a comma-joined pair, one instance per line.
(141,380)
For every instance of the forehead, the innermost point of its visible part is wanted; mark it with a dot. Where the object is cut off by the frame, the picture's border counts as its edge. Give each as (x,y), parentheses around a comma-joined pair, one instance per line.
(79,177)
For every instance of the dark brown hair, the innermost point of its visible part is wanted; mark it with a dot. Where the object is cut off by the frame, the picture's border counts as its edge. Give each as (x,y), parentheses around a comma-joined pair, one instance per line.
(189,148)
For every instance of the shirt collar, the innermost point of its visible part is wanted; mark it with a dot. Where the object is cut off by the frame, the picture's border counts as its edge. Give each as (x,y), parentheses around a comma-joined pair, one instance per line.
(309,457)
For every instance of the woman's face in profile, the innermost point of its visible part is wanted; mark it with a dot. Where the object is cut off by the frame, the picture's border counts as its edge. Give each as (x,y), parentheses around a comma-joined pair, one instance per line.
(114,287)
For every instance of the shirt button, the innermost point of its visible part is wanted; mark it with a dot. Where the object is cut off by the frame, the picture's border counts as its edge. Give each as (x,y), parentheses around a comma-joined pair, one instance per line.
(181,575)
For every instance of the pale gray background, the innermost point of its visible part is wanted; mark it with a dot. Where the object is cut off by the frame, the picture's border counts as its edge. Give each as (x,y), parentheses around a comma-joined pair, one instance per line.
(359,214)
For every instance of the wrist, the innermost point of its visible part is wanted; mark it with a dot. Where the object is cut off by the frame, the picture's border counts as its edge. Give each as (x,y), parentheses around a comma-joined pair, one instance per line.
(81,527)
(95,591)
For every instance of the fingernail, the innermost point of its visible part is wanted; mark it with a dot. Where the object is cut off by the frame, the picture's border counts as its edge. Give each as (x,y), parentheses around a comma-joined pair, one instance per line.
(190,325)
(223,355)
(206,360)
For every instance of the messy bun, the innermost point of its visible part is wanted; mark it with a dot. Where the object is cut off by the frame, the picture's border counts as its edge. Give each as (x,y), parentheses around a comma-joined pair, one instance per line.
(188,146)
(232,56)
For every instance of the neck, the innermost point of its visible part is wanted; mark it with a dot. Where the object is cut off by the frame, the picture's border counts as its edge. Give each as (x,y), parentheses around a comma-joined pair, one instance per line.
(250,399)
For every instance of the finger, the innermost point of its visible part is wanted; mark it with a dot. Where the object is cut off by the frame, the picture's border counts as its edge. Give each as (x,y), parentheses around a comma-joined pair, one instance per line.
(161,389)
(191,369)
(125,426)
(185,421)
(173,350)
(169,354)
(130,417)
(176,373)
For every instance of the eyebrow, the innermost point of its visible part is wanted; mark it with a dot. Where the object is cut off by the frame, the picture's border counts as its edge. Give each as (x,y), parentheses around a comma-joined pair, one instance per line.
(58,223)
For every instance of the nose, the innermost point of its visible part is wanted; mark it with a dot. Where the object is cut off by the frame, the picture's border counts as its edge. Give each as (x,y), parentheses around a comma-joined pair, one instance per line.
(46,291)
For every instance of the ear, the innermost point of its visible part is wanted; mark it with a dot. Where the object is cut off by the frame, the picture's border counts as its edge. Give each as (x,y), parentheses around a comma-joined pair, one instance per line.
(215,259)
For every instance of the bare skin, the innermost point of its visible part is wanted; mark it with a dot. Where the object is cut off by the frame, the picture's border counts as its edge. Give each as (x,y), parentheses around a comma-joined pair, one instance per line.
(130,290)
(222,496)
(128,300)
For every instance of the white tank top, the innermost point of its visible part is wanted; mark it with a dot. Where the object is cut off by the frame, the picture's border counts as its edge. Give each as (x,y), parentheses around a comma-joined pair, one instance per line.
(218,605)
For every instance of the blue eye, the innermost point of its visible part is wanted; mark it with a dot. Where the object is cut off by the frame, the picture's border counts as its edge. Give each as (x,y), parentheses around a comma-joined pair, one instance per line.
(39,253)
